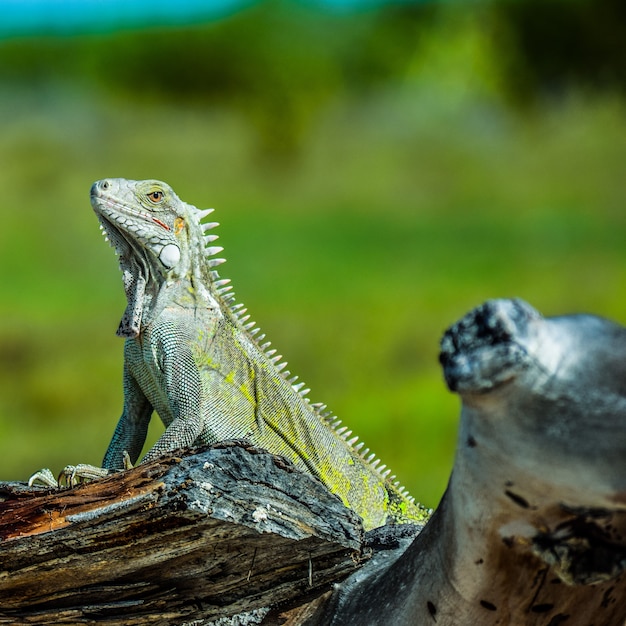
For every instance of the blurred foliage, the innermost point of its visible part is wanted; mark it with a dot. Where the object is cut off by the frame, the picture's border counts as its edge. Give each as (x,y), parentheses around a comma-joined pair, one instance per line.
(559,43)
(278,62)
(376,175)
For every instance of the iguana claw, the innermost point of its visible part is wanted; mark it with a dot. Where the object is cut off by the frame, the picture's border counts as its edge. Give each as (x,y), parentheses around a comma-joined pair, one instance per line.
(72,475)
(44,476)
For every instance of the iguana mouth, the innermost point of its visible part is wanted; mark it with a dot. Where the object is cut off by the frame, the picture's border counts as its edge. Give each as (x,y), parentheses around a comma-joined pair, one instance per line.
(127,249)
(139,270)
(120,241)
(122,209)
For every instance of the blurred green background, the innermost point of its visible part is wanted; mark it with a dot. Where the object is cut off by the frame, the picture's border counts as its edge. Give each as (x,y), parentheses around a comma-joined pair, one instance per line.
(377,171)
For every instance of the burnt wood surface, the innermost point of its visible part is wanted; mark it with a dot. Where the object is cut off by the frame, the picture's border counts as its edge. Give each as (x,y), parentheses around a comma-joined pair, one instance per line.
(530,532)
(229,530)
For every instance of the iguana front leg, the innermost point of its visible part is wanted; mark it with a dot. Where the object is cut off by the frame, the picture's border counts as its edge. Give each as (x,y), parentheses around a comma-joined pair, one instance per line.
(132,427)
(180,406)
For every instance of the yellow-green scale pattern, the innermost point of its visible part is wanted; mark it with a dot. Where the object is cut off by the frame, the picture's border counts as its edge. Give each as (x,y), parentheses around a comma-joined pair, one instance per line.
(189,358)
(245,395)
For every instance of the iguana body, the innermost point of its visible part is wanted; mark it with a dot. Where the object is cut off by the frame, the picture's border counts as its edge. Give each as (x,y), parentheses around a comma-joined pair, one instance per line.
(191,356)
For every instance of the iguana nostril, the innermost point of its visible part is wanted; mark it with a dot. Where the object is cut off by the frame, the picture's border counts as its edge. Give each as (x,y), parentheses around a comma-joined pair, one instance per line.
(99,185)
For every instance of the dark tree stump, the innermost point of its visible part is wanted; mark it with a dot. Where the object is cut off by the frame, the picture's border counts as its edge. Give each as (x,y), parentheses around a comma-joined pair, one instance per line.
(532,528)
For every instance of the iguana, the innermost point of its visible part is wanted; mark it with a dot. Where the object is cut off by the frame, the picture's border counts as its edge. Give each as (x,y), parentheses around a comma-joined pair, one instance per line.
(195,358)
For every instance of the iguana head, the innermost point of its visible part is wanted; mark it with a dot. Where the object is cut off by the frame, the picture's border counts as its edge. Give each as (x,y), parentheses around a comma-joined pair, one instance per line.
(158,238)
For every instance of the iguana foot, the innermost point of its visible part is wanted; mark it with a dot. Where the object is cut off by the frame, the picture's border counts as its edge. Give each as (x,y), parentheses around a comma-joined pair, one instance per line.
(488,346)
(72,475)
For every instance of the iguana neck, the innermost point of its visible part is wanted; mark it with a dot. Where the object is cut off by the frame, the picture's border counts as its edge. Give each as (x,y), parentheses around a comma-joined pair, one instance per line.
(149,290)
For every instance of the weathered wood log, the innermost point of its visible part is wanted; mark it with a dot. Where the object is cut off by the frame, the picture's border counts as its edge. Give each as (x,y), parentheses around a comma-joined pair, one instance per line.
(532,528)
(225,531)
(531,531)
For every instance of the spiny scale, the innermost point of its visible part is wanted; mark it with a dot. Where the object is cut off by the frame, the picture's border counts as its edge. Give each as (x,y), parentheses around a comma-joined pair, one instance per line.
(223,289)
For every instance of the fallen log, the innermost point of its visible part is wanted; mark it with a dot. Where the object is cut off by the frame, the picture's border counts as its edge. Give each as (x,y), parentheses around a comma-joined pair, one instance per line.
(229,530)
(530,532)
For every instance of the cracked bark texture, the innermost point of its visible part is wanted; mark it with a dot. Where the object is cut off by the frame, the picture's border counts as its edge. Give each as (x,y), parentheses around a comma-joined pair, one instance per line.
(227,531)
(531,530)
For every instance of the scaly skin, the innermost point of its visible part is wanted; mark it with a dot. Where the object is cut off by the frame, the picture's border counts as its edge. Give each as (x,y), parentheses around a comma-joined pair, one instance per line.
(191,356)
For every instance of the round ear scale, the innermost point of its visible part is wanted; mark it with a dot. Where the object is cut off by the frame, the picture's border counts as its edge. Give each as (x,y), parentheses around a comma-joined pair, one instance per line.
(170,255)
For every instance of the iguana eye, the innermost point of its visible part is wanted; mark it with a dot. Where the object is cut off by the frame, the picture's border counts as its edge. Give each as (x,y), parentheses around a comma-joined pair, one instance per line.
(155,196)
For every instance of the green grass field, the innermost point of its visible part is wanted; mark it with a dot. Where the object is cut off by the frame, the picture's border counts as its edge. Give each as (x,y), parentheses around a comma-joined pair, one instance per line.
(395,218)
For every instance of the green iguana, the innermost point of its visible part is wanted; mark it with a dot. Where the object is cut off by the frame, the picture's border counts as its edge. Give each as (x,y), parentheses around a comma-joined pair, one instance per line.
(193,356)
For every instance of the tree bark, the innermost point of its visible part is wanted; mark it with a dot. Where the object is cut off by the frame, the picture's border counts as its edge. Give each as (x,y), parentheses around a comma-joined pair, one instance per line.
(226,531)
(531,530)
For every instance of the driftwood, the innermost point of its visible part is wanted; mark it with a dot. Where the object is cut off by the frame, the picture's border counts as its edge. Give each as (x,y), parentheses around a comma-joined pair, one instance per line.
(531,530)
(221,532)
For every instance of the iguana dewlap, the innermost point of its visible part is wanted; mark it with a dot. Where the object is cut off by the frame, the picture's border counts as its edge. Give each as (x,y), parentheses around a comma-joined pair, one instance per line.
(192,356)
